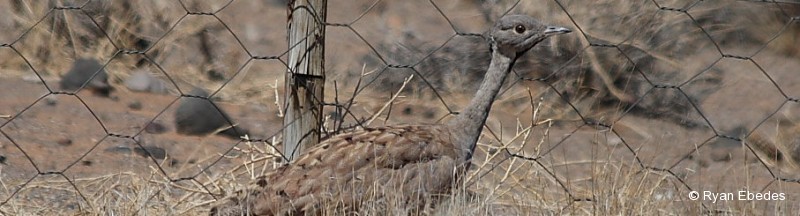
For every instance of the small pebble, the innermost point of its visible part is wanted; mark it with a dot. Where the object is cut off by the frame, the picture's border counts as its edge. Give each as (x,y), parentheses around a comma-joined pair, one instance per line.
(408,111)
(155,128)
(215,75)
(492,151)
(720,155)
(50,101)
(136,105)
(702,163)
(152,151)
(139,81)
(336,116)
(64,142)
(143,81)
(430,114)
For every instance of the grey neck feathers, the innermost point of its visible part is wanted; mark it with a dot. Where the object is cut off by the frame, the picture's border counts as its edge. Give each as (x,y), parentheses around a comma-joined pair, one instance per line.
(467,126)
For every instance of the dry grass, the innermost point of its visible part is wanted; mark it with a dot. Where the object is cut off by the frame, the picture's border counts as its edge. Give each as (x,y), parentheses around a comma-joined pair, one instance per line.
(498,185)
(591,174)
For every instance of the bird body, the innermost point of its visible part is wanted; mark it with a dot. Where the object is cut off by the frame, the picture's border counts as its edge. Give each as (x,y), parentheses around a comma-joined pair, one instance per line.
(410,162)
(416,160)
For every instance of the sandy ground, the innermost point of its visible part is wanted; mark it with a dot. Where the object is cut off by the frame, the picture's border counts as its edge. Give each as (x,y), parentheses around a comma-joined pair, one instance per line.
(86,135)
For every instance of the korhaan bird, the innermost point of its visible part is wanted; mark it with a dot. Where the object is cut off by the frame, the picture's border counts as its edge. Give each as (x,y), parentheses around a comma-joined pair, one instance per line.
(411,162)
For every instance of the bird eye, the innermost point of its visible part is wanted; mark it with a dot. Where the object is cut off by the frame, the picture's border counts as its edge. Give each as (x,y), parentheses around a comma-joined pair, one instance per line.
(519,29)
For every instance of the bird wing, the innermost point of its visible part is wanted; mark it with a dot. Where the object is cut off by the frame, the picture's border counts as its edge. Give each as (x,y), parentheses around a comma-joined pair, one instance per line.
(349,168)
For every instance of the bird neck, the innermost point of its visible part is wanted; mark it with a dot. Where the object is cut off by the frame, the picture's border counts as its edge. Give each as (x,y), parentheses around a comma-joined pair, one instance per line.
(467,126)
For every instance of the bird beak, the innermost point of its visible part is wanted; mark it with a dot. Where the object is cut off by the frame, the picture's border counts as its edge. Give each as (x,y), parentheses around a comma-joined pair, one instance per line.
(554,30)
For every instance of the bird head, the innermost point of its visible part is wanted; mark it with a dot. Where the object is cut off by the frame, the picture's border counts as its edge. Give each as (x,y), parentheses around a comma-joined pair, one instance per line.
(514,35)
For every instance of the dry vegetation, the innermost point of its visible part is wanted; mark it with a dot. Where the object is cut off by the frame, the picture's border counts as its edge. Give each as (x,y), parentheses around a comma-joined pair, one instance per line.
(538,155)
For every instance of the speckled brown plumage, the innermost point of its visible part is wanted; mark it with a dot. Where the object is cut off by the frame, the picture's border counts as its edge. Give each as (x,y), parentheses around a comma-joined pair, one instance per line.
(406,163)
(417,160)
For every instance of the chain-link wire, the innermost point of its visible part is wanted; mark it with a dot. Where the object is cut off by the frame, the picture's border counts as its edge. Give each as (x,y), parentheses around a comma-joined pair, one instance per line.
(643,104)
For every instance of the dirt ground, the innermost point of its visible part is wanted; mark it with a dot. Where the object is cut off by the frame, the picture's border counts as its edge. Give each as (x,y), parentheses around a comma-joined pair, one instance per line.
(50,138)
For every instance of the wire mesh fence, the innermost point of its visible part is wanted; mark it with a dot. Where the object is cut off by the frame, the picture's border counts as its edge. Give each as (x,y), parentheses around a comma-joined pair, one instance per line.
(643,104)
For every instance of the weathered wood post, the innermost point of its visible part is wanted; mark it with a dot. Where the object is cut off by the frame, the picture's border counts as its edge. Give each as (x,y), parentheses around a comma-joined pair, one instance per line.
(305,79)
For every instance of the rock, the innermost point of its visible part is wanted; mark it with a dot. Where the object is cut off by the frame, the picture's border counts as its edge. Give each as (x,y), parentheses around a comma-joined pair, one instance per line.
(64,142)
(720,154)
(198,116)
(136,105)
(143,81)
(82,70)
(51,101)
(151,151)
(146,151)
(155,128)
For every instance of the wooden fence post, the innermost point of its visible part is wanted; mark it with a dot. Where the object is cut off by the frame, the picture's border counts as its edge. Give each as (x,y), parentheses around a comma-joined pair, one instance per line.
(305,79)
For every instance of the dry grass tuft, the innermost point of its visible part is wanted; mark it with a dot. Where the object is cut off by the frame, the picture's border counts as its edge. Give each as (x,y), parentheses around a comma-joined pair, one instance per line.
(531,160)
